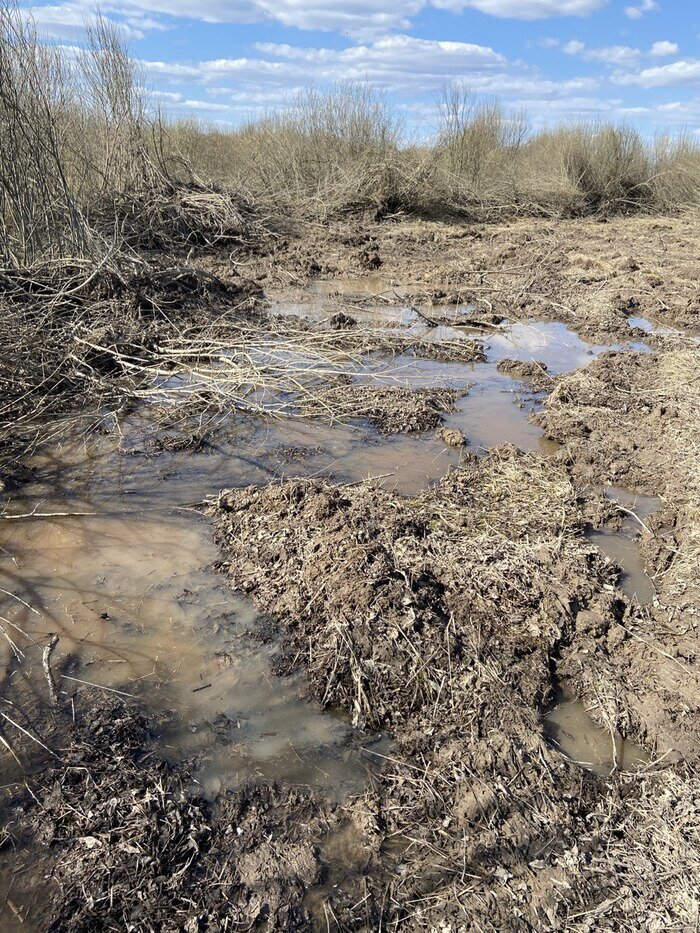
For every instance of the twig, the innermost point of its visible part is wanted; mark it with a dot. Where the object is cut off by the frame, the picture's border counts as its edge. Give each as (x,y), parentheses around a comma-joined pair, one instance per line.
(46,664)
(89,683)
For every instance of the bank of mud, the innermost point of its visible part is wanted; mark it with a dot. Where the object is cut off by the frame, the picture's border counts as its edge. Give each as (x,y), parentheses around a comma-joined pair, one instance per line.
(443,617)
(594,274)
(446,620)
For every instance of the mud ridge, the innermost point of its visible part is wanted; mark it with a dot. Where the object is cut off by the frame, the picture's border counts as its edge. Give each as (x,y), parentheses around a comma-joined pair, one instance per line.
(442,618)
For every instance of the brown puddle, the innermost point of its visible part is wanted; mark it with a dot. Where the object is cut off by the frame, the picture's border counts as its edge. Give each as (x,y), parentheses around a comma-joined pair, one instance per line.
(622,547)
(571,730)
(138,609)
(498,407)
(133,597)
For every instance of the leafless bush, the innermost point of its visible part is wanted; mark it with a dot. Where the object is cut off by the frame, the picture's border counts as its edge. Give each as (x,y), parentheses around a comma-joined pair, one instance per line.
(39,213)
(478,148)
(345,148)
(323,152)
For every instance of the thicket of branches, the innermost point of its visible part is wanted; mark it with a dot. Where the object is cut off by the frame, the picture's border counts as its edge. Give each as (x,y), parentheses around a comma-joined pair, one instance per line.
(344,148)
(85,184)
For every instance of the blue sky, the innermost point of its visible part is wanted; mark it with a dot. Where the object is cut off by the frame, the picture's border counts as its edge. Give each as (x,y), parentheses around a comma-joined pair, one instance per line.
(230,60)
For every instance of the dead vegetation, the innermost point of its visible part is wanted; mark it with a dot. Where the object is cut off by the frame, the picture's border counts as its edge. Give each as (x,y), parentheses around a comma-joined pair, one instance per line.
(344,150)
(155,853)
(84,185)
(443,622)
(393,410)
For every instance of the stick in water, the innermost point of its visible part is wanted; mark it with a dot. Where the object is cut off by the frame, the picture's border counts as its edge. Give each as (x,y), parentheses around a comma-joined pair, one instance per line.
(46,662)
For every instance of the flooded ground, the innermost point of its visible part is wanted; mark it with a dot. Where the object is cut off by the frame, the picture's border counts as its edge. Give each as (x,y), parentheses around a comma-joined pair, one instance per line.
(139,609)
(123,574)
(112,556)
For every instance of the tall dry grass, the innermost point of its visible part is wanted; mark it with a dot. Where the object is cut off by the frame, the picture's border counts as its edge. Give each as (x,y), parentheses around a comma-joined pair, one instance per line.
(346,148)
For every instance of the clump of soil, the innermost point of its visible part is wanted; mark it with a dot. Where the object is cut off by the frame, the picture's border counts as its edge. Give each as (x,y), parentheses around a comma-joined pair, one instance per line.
(630,419)
(340,320)
(125,843)
(442,618)
(531,371)
(452,437)
(392,409)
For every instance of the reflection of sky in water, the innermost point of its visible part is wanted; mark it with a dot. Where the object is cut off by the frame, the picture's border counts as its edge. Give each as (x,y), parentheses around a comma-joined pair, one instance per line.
(242,451)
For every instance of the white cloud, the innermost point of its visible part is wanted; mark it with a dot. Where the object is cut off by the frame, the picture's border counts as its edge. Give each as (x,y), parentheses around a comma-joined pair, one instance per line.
(525,9)
(637,12)
(168,97)
(619,55)
(399,63)
(394,62)
(359,18)
(67,21)
(663,48)
(677,73)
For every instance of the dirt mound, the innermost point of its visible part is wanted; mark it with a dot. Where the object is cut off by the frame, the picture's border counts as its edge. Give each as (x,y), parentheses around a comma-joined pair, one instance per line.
(407,570)
(393,410)
(443,618)
(532,372)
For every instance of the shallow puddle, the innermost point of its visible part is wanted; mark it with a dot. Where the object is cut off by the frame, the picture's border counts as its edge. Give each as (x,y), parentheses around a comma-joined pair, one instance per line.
(572,731)
(497,408)
(137,609)
(622,546)
(663,330)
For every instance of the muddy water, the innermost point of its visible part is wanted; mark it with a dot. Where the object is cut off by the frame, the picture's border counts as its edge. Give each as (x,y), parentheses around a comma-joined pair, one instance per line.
(622,546)
(119,566)
(137,609)
(497,408)
(570,729)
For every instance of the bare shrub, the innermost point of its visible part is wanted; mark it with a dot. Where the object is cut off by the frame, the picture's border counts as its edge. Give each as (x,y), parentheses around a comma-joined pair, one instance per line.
(589,167)
(39,212)
(477,150)
(321,152)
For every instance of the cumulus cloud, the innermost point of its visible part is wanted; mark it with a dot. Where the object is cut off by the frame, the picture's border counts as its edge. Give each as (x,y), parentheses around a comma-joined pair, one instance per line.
(399,63)
(684,72)
(67,21)
(359,18)
(619,55)
(637,12)
(396,61)
(663,48)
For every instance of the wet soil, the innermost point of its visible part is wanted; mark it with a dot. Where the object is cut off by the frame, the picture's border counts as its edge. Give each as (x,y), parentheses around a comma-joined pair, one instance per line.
(445,622)
(439,668)
(593,276)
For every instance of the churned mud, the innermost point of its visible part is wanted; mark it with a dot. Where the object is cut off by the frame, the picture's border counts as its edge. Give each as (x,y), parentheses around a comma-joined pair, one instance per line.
(594,276)
(446,621)
(409,642)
